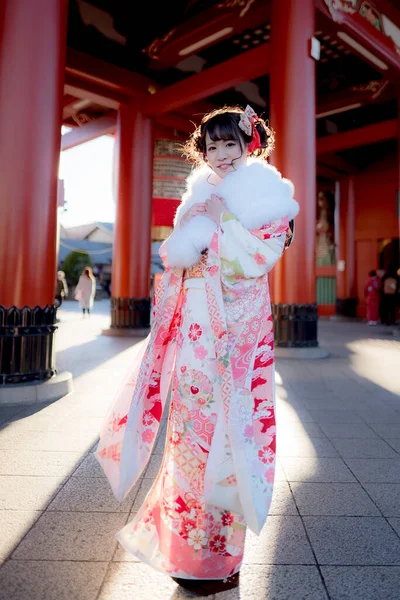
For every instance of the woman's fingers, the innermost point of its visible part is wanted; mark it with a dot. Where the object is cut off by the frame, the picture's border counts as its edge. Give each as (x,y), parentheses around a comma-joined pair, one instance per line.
(197,209)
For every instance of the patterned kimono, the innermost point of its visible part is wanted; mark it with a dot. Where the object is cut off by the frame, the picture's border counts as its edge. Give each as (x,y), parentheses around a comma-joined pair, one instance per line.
(211,345)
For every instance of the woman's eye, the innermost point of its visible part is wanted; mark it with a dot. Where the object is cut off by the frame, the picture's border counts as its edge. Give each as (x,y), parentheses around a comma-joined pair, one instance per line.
(211,148)
(231,144)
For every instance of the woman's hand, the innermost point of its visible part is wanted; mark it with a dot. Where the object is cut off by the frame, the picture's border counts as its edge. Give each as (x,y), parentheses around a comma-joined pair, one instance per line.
(194,211)
(215,206)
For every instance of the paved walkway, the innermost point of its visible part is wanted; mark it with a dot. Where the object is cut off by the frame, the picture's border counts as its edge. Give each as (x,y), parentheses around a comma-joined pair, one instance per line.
(334,529)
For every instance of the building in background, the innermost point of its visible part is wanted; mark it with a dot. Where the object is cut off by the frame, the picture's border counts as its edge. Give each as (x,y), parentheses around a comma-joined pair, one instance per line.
(324,73)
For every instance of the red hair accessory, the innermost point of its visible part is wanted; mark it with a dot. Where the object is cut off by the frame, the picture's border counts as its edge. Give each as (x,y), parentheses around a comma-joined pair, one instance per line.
(247,123)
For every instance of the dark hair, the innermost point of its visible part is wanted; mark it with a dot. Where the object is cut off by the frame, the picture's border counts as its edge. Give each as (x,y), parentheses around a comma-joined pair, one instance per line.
(372,273)
(223,124)
(88,272)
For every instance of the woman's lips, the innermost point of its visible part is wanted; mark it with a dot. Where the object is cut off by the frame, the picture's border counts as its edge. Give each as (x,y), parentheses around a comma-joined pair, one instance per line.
(223,167)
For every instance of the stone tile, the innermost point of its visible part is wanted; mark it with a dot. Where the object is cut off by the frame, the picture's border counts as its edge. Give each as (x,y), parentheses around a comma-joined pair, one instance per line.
(91,494)
(387,430)
(386,496)
(347,430)
(298,429)
(142,493)
(394,443)
(395,523)
(290,414)
(353,540)
(322,470)
(27,493)
(125,581)
(277,582)
(122,555)
(281,541)
(347,499)
(154,466)
(8,413)
(335,416)
(305,447)
(38,463)
(282,500)
(362,583)
(14,524)
(279,472)
(72,536)
(324,401)
(160,445)
(89,467)
(36,580)
(375,470)
(384,416)
(363,448)
(54,441)
(38,422)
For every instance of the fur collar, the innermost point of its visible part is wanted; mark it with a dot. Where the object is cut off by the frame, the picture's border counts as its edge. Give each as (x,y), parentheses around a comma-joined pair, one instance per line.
(256,193)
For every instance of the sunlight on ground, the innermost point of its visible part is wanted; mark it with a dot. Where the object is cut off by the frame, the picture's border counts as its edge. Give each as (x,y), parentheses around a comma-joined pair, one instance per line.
(281,393)
(373,359)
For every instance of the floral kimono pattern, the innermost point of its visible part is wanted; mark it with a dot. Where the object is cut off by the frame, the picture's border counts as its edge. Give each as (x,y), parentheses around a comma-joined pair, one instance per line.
(212,345)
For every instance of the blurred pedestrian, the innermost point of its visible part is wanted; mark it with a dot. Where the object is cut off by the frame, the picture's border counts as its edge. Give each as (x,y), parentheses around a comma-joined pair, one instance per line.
(372,291)
(61,289)
(390,287)
(85,290)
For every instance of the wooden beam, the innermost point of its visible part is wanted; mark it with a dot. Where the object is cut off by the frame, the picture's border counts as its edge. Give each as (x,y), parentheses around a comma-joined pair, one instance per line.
(363,33)
(371,134)
(96,93)
(89,69)
(106,125)
(337,163)
(327,173)
(176,121)
(244,67)
(231,17)
(74,107)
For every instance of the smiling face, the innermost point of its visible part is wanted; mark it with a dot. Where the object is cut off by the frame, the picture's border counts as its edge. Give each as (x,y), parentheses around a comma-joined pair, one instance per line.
(225,156)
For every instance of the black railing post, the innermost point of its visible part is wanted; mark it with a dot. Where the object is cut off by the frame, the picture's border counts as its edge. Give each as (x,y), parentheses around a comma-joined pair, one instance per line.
(295,325)
(27,351)
(130,313)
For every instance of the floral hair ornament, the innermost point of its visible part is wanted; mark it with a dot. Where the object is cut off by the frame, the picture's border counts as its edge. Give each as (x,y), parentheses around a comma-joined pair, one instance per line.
(247,123)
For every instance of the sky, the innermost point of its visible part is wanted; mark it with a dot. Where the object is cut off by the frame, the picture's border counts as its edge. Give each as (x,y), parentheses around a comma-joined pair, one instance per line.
(87,171)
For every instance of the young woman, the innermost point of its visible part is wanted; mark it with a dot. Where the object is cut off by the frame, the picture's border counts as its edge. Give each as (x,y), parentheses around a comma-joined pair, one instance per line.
(85,291)
(372,292)
(211,344)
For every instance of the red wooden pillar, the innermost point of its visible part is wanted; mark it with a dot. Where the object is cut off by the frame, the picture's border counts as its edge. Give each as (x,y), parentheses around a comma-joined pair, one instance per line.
(346,294)
(130,303)
(32,57)
(292,116)
(32,51)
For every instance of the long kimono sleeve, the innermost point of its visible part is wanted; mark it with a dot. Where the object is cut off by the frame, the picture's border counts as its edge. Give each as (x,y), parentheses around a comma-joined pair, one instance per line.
(250,253)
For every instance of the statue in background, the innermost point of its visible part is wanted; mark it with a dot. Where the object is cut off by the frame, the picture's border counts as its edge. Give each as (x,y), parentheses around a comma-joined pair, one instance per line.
(325,245)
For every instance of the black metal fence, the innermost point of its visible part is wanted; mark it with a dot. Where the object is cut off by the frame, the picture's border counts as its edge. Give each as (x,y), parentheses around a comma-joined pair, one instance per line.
(295,325)
(130,313)
(27,351)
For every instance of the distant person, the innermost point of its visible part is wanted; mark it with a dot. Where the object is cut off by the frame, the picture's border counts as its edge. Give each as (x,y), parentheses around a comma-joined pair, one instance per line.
(372,290)
(390,286)
(85,290)
(61,289)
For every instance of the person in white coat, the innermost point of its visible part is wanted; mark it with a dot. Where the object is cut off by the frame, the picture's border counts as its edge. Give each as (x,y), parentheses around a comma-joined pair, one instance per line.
(85,290)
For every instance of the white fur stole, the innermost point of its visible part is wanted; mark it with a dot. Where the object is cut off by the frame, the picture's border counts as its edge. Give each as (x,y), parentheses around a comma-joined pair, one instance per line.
(256,194)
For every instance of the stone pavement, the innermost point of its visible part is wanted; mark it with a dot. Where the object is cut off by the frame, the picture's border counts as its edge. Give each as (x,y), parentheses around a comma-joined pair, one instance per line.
(334,529)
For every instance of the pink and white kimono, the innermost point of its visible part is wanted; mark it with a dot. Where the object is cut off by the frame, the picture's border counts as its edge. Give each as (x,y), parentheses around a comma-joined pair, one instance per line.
(212,346)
